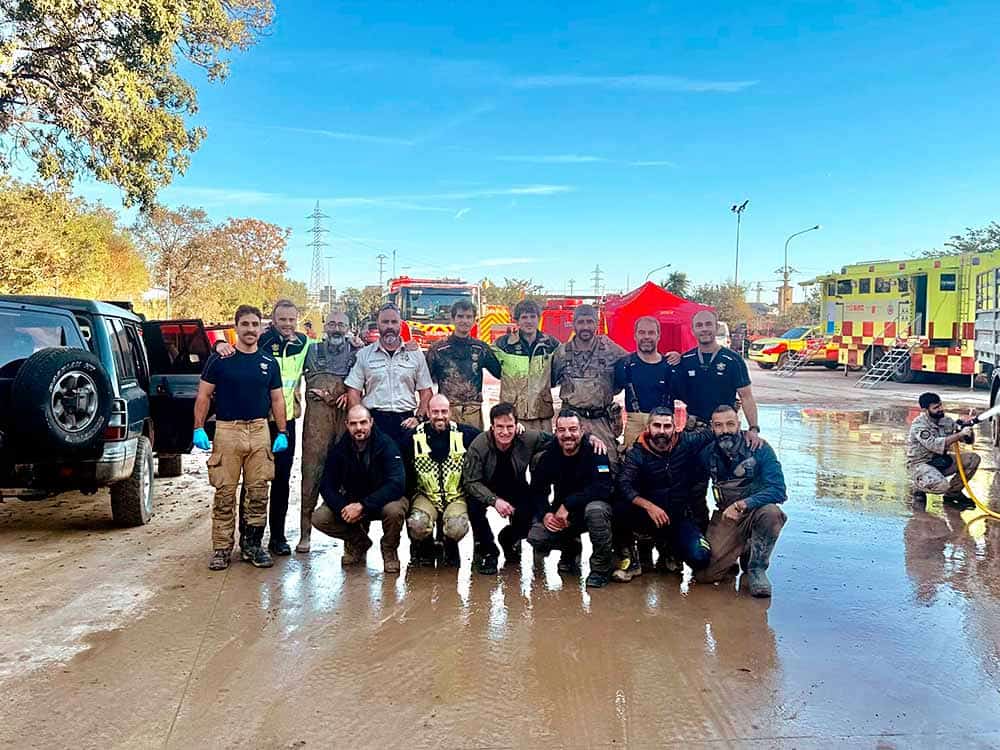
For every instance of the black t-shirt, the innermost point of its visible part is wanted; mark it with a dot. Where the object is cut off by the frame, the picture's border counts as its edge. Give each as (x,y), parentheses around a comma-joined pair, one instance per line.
(243,384)
(504,482)
(646,385)
(704,381)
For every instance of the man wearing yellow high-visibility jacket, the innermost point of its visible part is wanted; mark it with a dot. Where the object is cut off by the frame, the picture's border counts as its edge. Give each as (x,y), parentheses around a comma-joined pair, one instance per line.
(435,457)
(288,348)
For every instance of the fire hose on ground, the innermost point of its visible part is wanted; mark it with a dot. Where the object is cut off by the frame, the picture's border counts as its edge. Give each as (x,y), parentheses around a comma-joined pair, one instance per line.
(961,469)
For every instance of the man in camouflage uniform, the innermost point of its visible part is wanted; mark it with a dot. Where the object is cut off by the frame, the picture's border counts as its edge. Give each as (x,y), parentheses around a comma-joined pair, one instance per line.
(456,364)
(327,364)
(929,458)
(526,361)
(584,370)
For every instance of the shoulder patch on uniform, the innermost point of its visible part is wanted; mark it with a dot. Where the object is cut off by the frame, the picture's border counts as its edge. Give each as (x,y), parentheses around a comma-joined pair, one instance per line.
(924,434)
(603,469)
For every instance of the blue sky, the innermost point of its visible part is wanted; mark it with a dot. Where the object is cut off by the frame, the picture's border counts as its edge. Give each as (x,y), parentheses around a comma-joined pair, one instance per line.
(542,139)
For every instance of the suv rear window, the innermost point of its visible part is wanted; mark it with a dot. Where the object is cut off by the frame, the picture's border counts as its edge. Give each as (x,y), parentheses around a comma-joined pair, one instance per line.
(24,332)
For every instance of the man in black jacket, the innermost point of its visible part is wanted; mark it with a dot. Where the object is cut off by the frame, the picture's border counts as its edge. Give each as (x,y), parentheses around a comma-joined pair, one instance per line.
(363,481)
(655,491)
(582,486)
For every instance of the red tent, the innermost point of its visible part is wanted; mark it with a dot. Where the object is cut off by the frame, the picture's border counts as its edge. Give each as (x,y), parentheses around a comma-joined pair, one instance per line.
(673,312)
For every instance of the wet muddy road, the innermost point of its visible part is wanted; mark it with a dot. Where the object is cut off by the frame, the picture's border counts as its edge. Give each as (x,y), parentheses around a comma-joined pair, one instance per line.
(883,631)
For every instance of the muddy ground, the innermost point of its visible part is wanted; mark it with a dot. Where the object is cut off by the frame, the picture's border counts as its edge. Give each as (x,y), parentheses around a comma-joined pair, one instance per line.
(882,632)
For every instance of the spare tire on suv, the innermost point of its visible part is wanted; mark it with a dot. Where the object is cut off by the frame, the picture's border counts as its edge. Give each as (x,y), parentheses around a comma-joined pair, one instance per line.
(62,398)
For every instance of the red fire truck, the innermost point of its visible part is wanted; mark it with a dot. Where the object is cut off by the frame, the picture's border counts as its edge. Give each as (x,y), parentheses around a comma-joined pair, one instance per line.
(425,306)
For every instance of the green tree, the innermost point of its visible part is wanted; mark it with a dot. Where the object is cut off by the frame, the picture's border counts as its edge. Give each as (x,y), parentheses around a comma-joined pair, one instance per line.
(728,300)
(512,292)
(94,87)
(177,248)
(983,240)
(677,283)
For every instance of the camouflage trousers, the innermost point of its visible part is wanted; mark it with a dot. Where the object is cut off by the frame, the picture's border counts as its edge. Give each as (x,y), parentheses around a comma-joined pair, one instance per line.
(240,448)
(470,414)
(926,478)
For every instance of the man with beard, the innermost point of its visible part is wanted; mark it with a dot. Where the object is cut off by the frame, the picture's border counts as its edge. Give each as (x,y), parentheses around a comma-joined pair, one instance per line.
(456,364)
(646,376)
(584,370)
(929,458)
(246,387)
(435,456)
(327,364)
(391,377)
(708,376)
(496,475)
(363,481)
(526,368)
(288,348)
(580,483)
(654,488)
(748,485)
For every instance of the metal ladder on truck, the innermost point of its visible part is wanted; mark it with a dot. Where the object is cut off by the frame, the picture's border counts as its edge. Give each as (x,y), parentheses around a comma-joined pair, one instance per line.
(888,363)
(796,360)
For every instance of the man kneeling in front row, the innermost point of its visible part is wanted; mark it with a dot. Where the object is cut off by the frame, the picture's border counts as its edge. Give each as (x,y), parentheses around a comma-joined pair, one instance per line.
(748,486)
(363,481)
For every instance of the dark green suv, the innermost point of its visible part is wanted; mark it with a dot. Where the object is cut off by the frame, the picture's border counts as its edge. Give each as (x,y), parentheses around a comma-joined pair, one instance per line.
(89,391)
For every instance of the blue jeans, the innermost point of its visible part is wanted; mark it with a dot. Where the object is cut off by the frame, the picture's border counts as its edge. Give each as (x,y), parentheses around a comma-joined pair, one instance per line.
(682,536)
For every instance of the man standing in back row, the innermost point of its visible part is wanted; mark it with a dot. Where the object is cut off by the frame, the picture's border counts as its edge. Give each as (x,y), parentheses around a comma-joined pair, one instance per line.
(584,370)
(246,386)
(456,364)
(646,376)
(526,361)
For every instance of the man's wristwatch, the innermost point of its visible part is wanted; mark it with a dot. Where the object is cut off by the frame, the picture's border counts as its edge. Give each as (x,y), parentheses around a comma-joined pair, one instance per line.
(754,427)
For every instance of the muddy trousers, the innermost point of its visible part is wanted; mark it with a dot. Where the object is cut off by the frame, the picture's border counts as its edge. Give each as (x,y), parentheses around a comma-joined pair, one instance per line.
(241,448)
(424,516)
(749,540)
(681,537)
(596,520)
(635,425)
(470,414)
(278,506)
(928,479)
(606,431)
(322,426)
(330,522)
(482,532)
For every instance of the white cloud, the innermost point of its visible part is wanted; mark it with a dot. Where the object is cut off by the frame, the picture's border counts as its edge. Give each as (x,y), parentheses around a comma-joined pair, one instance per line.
(554,159)
(340,135)
(652,163)
(462,212)
(637,82)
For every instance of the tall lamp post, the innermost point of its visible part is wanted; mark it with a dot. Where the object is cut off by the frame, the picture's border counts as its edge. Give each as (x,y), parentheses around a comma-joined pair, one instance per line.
(786,272)
(658,268)
(738,209)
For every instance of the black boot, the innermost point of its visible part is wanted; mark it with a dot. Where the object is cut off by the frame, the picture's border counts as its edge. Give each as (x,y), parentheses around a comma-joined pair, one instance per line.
(253,552)
(761,547)
(422,553)
(959,501)
(511,547)
(451,557)
(645,549)
(569,560)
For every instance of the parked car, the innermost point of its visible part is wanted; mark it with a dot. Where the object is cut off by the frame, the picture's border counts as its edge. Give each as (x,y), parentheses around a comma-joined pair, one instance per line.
(770,351)
(89,392)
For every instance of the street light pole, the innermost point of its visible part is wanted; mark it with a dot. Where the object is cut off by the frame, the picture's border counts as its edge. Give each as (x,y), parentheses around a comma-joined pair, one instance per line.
(738,209)
(786,272)
(658,268)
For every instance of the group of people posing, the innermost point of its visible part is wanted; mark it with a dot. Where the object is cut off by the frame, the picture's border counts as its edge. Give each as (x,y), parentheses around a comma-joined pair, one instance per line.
(380,445)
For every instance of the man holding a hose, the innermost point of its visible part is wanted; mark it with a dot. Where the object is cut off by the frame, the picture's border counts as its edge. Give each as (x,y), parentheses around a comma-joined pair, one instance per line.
(930,454)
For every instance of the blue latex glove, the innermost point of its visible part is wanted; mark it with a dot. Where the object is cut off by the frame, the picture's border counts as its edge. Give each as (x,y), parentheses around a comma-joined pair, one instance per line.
(280,443)
(201,440)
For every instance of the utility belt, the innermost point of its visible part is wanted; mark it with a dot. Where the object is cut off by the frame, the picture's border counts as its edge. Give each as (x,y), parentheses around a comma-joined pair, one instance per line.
(600,413)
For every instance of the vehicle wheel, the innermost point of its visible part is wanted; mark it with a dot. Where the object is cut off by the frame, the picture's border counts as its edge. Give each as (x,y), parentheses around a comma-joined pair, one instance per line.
(169,466)
(782,360)
(994,421)
(831,365)
(766,365)
(62,398)
(872,355)
(132,499)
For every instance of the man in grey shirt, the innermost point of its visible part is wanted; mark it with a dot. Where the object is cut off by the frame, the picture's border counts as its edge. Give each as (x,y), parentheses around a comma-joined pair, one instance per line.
(391,380)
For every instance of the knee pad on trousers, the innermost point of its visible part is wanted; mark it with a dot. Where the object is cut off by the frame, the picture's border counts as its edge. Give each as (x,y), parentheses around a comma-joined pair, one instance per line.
(419,525)
(456,527)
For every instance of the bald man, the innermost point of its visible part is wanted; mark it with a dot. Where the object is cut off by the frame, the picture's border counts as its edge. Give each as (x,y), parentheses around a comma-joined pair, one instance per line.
(363,481)
(435,457)
(327,364)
